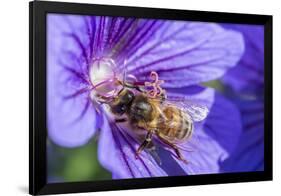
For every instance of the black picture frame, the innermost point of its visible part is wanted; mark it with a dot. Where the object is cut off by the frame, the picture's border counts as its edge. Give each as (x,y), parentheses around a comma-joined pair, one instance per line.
(37,97)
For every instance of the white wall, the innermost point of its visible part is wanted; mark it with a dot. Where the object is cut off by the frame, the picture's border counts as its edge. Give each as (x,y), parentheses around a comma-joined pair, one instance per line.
(14,95)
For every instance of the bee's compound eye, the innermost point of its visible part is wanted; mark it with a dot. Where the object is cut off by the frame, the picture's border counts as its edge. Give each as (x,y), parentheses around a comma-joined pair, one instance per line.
(129,97)
(123,108)
(119,109)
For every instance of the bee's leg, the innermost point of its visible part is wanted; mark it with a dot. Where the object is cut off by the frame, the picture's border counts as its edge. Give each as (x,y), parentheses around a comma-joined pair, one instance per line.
(134,86)
(153,151)
(145,143)
(163,96)
(175,148)
(120,120)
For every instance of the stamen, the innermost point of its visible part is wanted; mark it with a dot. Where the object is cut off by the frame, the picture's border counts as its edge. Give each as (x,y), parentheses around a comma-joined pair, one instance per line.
(156,90)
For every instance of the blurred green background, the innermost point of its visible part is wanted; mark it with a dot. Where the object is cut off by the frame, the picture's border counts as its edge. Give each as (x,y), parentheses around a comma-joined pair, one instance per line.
(74,164)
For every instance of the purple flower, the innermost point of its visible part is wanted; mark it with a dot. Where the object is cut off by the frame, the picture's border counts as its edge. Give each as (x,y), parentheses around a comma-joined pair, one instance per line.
(84,51)
(247,78)
(247,83)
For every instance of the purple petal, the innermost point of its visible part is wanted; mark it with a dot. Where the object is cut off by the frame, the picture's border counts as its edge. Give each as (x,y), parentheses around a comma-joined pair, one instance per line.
(71,117)
(71,122)
(200,51)
(214,140)
(248,79)
(70,41)
(249,153)
(247,76)
(130,35)
(117,150)
(117,37)
(180,50)
(224,124)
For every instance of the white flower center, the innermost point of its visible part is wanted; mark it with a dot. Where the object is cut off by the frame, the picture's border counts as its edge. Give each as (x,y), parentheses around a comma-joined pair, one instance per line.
(101,70)
(103,77)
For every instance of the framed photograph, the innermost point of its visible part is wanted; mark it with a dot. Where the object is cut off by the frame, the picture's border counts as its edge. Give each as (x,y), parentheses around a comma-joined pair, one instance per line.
(131,97)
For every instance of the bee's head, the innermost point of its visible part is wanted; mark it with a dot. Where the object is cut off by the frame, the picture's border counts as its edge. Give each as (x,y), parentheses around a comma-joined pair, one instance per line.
(122,103)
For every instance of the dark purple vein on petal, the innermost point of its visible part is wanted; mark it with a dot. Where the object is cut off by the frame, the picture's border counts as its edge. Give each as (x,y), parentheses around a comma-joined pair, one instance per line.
(173,56)
(121,32)
(99,34)
(80,44)
(147,34)
(138,34)
(76,60)
(188,66)
(83,112)
(76,74)
(111,30)
(156,44)
(118,31)
(142,38)
(102,35)
(88,28)
(76,93)
(145,38)
(92,36)
(96,36)
(128,35)
(89,32)
(134,150)
(115,137)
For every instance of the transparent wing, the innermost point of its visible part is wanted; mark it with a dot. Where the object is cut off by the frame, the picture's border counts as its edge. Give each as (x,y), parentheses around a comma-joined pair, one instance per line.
(196,111)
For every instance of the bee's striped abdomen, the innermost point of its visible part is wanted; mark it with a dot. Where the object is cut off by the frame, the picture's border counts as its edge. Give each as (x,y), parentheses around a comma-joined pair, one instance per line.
(186,127)
(176,124)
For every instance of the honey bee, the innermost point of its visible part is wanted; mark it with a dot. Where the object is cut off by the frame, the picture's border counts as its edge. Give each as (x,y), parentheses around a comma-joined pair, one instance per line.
(150,110)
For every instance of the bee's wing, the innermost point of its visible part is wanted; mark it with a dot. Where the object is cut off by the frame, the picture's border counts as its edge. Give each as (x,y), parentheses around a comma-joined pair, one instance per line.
(196,111)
